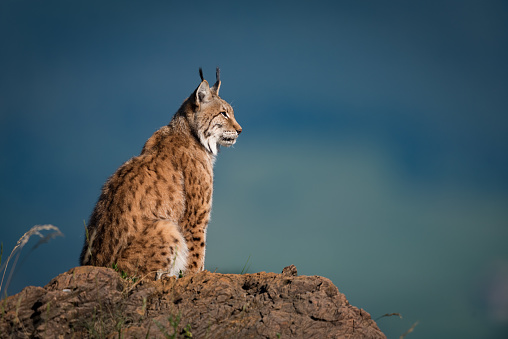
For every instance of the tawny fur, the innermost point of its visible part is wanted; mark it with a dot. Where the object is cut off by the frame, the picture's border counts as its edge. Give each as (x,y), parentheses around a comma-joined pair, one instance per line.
(152,215)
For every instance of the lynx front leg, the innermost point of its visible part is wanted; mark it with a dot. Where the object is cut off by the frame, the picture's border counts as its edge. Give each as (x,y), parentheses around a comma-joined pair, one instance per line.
(197,244)
(198,183)
(195,225)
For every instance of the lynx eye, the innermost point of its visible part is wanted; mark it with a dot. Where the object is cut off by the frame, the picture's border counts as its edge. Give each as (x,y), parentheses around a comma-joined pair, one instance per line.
(225,115)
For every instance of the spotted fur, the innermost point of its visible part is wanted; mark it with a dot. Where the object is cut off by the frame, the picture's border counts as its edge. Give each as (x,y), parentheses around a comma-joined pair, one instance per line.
(152,215)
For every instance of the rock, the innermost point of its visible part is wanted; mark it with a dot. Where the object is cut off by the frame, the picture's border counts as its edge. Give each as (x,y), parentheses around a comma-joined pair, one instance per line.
(290,271)
(97,302)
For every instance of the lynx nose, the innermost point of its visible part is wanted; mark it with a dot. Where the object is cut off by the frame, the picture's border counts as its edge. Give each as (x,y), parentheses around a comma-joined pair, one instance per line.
(239,130)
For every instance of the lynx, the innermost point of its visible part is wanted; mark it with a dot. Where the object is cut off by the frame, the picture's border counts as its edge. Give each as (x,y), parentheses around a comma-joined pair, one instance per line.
(153,213)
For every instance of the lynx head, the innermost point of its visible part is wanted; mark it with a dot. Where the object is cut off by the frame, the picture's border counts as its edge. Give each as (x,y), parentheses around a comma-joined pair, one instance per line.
(213,119)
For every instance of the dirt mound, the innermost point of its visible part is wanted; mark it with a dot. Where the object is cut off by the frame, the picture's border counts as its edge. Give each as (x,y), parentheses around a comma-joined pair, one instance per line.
(97,302)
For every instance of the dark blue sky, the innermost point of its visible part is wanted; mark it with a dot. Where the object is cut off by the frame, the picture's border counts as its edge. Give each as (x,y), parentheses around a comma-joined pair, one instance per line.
(374,147)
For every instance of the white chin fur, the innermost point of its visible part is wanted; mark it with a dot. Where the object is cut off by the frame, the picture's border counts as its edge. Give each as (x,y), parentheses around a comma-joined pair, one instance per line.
(210,143)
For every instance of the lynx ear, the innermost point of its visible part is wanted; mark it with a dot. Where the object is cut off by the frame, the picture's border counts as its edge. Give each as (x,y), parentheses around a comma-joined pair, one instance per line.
(216,86)
(203,93)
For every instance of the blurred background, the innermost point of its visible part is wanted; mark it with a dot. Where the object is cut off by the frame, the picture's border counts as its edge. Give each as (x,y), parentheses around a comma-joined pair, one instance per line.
(374,149)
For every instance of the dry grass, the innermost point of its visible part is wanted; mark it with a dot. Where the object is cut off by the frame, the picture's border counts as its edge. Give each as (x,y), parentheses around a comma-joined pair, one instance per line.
(16,251)
(403,335)
(389,315)
(411,329)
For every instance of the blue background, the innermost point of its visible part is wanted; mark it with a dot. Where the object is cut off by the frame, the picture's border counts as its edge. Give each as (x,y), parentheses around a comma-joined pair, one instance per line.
(374,145)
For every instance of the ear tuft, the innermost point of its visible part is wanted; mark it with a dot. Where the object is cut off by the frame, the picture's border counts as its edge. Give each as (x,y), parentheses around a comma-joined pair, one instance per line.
(216,86)
(201,74)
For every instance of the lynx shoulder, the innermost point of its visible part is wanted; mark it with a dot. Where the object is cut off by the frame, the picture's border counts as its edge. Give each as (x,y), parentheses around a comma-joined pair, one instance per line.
(153,212)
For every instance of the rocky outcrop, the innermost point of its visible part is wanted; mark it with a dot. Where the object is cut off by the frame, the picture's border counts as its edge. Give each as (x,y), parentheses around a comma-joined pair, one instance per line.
(97,302)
